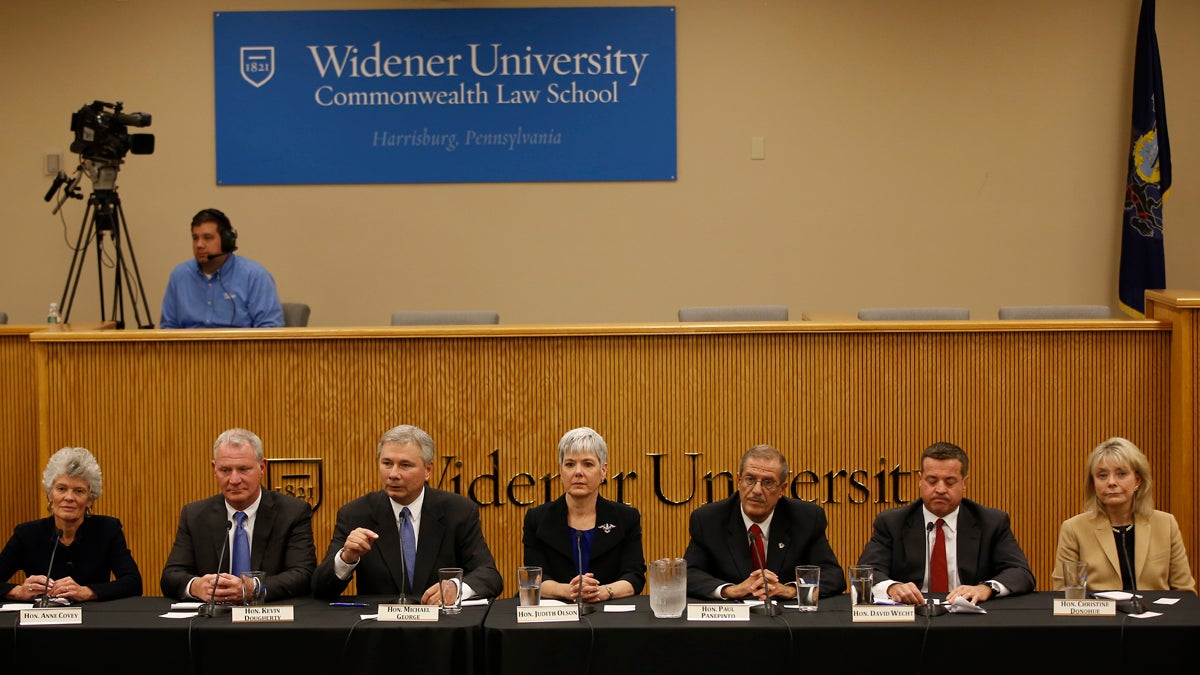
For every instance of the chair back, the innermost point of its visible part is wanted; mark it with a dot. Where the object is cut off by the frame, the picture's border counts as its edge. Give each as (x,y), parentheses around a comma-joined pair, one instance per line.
(3,317)
(914,314)
(295,314)
(1055,312)
(444,317)
(734,313)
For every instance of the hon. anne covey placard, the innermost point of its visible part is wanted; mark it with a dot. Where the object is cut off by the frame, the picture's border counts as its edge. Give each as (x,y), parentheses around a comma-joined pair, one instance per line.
(445,95)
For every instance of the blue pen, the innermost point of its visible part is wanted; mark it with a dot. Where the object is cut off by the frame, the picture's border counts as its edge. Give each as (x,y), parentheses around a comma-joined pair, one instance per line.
(347,604)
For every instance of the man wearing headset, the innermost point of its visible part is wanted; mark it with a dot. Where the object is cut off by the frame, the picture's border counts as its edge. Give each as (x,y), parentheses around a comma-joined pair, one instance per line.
(219,289)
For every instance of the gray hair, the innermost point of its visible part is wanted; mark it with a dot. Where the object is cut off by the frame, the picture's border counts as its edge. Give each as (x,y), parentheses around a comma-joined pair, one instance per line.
(583,439)
(405,434)
(1123,454)
(768,453)
(239,438)
(74,463)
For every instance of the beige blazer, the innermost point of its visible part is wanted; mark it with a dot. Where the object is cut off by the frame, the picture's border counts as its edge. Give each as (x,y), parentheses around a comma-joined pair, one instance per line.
(1159,556)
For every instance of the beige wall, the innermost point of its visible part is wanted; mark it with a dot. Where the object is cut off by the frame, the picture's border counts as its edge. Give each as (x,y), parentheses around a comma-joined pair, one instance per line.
(955,152)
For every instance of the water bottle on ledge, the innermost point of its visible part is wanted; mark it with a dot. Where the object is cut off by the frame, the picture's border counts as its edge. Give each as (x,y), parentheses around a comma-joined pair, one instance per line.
(52,316)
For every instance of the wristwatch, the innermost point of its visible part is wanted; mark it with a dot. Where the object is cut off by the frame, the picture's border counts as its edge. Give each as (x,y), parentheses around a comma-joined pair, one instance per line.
(995,586)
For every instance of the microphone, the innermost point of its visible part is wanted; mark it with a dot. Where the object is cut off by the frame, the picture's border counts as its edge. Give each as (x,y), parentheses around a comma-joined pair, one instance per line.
(210,608)
(403,599)
(43,600)
(769,606)
(583,608)
(929,608)
(1133,605)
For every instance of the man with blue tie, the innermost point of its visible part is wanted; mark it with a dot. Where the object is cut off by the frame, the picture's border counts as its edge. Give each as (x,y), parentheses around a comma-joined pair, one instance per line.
(246,527)
(394,540)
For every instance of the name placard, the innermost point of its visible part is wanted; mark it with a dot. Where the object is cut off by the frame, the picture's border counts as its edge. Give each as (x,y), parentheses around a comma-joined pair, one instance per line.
(547,614)
(1064,607)
(717,612)
(51,616)
(883,613)
(408,613)
(269,613)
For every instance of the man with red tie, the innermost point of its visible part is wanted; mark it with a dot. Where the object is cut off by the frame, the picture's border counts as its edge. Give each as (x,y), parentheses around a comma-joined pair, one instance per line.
(730,538)
(944,544)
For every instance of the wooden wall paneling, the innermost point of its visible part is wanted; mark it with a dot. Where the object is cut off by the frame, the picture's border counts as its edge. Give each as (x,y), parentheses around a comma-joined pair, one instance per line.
(851,407)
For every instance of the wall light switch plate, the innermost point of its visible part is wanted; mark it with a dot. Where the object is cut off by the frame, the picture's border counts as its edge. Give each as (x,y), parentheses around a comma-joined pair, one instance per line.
(756,148)
(53,163)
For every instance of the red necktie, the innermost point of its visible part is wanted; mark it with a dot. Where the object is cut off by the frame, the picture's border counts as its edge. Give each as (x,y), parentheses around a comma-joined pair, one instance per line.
(756,551)
(938,582)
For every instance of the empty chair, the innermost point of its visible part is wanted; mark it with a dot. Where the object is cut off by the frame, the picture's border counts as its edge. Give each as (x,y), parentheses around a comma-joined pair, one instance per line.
(734,313)
(1055,312)
(913,313)
(443,318)
(295,314)
(3,317)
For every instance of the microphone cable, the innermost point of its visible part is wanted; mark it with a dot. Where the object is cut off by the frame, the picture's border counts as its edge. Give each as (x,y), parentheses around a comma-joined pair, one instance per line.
(350,634)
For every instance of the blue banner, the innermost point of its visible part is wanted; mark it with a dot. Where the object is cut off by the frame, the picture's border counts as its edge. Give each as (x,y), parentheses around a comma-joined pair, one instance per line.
(445,95)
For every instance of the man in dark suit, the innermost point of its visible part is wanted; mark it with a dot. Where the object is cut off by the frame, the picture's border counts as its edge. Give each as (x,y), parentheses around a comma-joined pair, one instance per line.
(278,529)
(982,557)
(443,531)
(720,557)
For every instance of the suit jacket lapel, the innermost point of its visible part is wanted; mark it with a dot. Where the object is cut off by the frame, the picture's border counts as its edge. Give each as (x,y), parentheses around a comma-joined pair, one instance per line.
(429,541)
(264,522)
(781,534)
(1107,542)
(385,525)
(739,542)
(555,532)
(607,529)
(215,517)
(967,540)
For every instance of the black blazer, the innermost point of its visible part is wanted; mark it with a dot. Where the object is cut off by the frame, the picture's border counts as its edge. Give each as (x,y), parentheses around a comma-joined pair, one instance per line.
(282,545)
(985,545)
(98,557)
(451,536)
(719,550)
(616,545)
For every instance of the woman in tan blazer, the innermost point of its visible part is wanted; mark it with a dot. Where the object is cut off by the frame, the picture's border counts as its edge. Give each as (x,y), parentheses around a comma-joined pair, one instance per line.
(1120,527)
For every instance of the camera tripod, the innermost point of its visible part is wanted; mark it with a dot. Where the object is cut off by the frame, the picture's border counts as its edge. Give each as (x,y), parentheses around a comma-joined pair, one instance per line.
(107,218)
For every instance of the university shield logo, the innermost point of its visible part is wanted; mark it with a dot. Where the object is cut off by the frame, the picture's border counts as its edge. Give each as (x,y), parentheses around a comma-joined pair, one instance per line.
(299,478)
(257,64)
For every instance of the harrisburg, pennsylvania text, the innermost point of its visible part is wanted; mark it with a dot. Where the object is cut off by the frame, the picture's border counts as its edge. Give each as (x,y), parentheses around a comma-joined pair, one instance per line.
(470,138)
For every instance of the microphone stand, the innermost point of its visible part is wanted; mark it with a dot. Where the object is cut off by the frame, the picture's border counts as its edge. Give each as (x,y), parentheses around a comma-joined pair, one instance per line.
(584,608)
(43,600)
(211,608)
(1133,605)
(403,599)
(769,606)
(929,608)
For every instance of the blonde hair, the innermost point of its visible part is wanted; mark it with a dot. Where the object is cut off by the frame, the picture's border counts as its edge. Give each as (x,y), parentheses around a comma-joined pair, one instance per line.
(1120,453)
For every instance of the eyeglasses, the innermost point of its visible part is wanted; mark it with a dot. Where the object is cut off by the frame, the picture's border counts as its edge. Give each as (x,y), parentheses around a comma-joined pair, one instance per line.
(767,484)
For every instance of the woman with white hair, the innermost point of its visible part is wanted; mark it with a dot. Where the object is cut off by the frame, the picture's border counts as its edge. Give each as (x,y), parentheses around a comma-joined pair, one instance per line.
(583,531)
(91,559)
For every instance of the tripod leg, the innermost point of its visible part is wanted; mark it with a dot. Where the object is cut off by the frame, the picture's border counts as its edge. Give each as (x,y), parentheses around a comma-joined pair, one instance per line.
(123,225)
(87,227)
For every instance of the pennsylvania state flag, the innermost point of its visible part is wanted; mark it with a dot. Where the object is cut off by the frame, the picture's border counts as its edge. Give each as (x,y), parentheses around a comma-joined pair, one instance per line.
(1149,179)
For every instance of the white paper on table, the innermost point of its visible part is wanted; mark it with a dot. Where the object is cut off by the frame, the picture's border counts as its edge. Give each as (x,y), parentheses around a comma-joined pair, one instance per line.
(475,602)
(964,606)
(178,615)
(181,606)
(620,608)
(1166,601)
(1114,595)
(15,606)
(545,602)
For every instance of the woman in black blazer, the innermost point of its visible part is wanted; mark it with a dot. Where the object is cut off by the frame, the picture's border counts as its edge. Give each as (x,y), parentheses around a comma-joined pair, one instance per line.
(91,559)
(583,531)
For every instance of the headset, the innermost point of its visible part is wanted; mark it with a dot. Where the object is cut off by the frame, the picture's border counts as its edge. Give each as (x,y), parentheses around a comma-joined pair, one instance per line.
(224,228)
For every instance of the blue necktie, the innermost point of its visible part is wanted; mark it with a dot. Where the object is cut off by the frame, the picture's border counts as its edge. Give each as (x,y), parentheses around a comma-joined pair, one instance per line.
(241,546)
(409,539)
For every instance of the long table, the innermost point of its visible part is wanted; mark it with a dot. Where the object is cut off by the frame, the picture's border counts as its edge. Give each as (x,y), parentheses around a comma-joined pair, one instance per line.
(1015,633)
(130,635)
